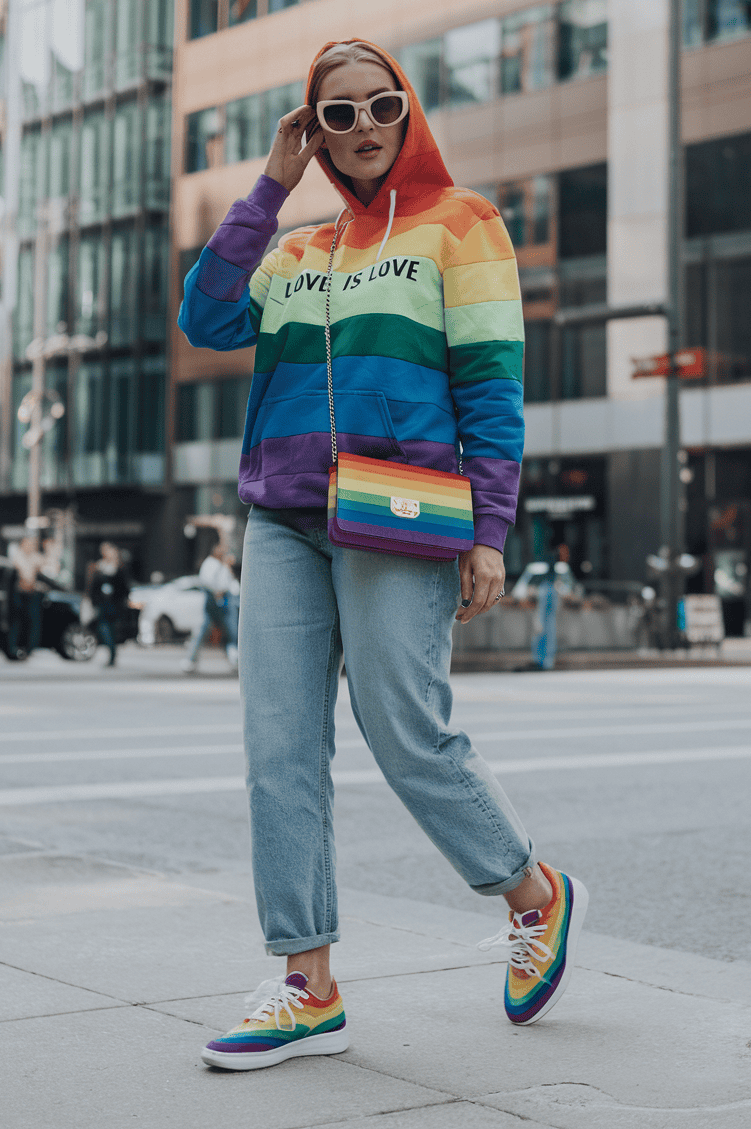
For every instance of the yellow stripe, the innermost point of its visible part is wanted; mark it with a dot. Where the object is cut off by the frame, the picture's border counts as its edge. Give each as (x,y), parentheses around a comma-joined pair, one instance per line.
(376,484)
(487,241)
(481,282)
(426,241)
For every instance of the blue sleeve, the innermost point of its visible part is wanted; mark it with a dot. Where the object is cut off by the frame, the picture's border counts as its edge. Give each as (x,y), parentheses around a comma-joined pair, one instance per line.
(215,311)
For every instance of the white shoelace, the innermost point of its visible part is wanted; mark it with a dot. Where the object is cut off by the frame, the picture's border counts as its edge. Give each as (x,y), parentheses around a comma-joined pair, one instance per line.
(524,943)
(275,996)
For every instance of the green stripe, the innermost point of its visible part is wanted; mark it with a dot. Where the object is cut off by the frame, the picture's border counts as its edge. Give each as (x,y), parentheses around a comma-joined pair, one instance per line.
(486,360)
(255,312)
(425,507)
(370,335)
(485,321)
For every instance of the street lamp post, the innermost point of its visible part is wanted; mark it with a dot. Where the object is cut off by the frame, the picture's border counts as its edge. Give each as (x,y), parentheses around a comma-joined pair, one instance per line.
(671,497)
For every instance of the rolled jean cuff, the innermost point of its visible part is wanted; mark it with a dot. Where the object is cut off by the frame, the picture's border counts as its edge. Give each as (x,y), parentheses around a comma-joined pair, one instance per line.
(492,889)
(300,944)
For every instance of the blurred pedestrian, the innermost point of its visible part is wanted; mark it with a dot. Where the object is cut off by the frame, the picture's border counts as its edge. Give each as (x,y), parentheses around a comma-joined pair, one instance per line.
(409,304)
(26,598)
(218,581)
(107,588)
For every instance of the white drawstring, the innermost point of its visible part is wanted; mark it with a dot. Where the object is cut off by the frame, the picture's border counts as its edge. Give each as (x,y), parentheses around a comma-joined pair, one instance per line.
(392,209)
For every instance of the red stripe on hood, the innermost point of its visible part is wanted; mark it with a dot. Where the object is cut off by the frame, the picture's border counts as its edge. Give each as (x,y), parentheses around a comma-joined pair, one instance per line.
(419,168)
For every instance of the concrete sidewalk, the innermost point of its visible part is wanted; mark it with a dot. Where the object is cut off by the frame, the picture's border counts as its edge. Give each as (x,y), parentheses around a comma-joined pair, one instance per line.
(113,978)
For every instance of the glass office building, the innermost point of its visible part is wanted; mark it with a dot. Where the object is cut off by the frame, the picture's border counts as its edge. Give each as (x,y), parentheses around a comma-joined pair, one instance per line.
(87,140)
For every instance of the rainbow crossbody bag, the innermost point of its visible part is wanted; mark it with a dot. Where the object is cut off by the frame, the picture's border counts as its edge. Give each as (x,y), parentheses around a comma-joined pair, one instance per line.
(386,507)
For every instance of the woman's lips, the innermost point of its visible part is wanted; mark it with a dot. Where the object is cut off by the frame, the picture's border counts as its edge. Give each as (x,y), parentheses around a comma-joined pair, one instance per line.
(367,151)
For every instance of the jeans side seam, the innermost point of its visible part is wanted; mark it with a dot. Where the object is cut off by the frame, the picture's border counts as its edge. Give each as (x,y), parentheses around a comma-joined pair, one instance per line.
(476,796)
(323,775)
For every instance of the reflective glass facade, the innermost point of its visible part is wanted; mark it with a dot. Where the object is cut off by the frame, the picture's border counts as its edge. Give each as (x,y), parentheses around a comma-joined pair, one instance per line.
(95,156)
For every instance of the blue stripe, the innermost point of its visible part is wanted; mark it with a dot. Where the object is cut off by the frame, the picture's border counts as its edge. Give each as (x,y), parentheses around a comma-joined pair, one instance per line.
(347,511)
(379,515)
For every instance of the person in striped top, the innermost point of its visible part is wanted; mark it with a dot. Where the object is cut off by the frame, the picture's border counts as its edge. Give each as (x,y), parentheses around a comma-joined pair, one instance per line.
(427,357)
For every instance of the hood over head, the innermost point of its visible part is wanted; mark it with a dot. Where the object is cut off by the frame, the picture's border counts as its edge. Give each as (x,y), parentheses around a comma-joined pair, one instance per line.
(419,168)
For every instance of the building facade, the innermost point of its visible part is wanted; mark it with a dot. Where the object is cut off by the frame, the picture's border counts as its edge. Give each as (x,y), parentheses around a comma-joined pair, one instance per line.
(558,113)
(86,147)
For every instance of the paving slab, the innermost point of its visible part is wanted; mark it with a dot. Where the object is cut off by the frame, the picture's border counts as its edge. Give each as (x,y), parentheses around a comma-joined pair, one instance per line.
(139,1067)
(26,994)
(636,1043)
(453,1115)
(577,1106)
(145,938)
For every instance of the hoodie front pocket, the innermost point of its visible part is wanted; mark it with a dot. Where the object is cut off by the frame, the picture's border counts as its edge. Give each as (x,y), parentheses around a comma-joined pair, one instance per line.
(363,421)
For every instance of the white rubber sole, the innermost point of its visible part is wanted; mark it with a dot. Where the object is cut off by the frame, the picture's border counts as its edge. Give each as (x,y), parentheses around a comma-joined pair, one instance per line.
(328,1043)
(581,901)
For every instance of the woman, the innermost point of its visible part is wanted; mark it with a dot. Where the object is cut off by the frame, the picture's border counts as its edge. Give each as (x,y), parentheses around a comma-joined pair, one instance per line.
(426,340)
(108,590)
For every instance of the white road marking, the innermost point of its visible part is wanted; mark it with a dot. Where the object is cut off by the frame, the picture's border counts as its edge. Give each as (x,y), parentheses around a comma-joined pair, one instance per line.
(127,790)
(118,754)
(114,734)
(558,733)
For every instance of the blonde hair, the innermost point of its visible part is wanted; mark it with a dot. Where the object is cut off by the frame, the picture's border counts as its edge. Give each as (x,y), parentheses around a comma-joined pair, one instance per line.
(337,56)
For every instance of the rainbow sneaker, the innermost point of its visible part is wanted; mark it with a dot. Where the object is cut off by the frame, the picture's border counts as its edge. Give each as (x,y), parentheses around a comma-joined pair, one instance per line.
(288,1021)
(543,946)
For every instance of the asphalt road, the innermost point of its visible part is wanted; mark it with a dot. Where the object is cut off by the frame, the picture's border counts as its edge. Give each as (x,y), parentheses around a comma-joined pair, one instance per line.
(635,781)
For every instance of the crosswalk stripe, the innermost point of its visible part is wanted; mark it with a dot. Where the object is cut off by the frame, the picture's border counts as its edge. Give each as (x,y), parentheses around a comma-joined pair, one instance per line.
(124,790)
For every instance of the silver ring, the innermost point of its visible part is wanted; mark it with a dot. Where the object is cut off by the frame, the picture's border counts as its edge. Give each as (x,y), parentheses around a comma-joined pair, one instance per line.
(501,593)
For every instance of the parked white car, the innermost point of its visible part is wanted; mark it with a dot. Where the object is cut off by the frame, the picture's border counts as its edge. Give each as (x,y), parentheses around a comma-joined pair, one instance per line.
(171,611)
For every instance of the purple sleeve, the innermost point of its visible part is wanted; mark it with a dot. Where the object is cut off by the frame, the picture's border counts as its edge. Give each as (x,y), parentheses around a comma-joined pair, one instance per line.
(490,530)
(238,244)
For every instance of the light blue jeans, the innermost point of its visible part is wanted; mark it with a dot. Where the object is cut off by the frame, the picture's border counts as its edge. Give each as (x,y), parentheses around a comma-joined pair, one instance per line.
(304,605)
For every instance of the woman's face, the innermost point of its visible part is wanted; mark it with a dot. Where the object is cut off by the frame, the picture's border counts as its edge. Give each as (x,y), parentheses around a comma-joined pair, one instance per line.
(368,151)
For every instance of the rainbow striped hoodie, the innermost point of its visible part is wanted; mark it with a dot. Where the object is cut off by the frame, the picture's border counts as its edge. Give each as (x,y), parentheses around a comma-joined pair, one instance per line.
(426,333)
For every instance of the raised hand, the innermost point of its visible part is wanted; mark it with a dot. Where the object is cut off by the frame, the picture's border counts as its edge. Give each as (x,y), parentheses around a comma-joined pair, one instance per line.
(288,159)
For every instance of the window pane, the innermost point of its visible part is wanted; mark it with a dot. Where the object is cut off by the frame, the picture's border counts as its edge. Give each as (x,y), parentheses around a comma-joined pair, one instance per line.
(122,386)
(203,18)
(128,37)
(727,19)
(23,315)
(537,362)
(96,47)
(233,401)
(123,288)
(203,140)
(57,286)
(540,219)
(718,174)
(185,423)
(89,299)
(242,10)
(245,131)
(150,409)
(527,40)
(61,137)
(582,38)
(693,32)
(582,223)
(422,65)
(126,159)
(512,210)
(583,348)
(279,5)
(35,59)
(733,302)
(31,180)
(470,55)
(158,128)
(93,168)
(153,288)
(206,410)
(283,100)
(159,35)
